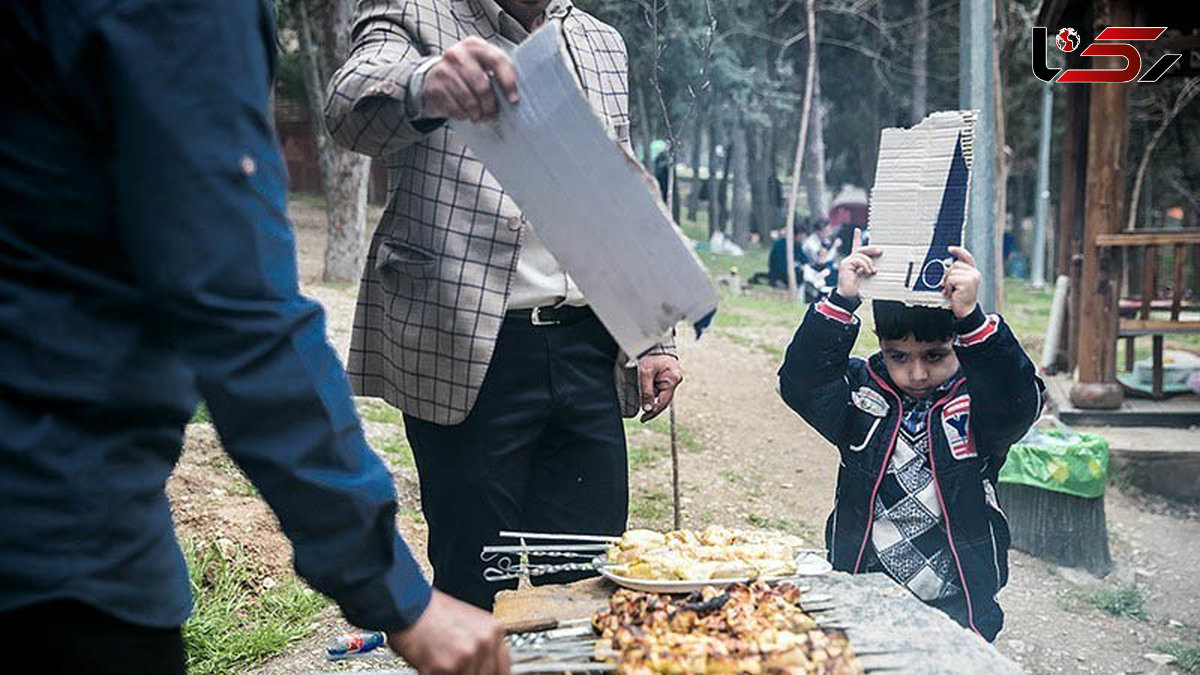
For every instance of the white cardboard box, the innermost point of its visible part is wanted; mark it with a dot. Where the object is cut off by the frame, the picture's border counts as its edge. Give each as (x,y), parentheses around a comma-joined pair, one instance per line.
(919,206)
(592,205)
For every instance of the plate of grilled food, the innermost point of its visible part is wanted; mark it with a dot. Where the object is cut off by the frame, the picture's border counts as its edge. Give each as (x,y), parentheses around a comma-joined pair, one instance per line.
(772,629)
(683,561)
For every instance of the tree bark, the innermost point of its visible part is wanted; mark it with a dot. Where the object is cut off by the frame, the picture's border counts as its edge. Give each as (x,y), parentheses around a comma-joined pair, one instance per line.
(758,180)
(920,62)
(714,185)
(739,208)
(324,43)
(814,172)
(1001,210)
(644,130)
(693,199)
(798,165)
(731,144)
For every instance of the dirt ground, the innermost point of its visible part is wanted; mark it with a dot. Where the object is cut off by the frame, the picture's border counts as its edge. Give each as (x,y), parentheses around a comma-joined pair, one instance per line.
(747,461)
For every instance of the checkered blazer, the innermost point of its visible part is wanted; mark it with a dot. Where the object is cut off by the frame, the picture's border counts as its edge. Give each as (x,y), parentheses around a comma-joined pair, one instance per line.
(442,260)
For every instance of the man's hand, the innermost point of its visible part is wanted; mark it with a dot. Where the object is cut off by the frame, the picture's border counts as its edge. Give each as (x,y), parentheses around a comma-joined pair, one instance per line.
(856,266)
(453,637)
(659,375)
(458,86)
(962,283)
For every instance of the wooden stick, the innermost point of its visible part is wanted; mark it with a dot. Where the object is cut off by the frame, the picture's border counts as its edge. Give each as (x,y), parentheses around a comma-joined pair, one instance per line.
(678,513)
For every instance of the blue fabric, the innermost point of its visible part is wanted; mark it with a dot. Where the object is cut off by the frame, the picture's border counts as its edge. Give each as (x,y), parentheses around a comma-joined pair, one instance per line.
(146,262)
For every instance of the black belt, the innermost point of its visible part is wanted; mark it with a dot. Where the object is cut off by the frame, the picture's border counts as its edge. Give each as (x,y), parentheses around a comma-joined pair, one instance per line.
(551,315)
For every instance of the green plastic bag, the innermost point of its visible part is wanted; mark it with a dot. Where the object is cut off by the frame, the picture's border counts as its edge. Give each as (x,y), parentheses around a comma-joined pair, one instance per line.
(1058,459)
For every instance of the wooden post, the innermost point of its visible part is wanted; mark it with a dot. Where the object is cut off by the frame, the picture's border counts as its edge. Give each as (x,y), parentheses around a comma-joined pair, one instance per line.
(1070,212)
(1108,129)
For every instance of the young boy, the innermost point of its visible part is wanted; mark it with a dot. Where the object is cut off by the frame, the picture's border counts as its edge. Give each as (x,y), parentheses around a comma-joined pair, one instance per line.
(922,427)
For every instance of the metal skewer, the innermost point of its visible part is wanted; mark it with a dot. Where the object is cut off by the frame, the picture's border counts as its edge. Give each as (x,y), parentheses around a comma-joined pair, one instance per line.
(550,536)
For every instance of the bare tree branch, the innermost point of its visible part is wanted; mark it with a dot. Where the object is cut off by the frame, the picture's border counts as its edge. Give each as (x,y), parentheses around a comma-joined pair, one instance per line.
(1189,90)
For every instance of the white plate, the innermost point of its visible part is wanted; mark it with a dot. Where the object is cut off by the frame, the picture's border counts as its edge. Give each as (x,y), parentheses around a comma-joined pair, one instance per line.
(807,565)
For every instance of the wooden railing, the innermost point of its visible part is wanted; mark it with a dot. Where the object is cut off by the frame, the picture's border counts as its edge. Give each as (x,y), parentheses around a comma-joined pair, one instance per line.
(1137,319)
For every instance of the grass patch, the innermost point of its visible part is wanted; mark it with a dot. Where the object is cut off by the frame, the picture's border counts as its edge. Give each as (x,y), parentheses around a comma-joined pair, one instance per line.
(773,350)
(685,437)
(646,454)
(803,530)
(383,413)
(1124,602)
(244,488)
(202,414)
(414,515)
(650,506)
(1187,659)
(233,629)
(397,450)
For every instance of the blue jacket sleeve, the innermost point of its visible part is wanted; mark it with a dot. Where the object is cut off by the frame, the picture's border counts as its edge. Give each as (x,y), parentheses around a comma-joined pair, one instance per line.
(200,205)
(1006,392)
(813,379)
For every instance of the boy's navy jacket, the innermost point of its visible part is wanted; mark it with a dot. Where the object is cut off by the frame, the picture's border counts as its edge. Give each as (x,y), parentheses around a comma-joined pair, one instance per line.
(991,402)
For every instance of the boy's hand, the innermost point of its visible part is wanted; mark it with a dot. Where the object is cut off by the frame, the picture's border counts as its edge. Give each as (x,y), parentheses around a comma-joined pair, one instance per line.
(962,283)
(856,266)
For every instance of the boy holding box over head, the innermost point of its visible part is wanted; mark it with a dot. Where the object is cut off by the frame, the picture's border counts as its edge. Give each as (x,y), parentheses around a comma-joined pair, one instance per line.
(922,428)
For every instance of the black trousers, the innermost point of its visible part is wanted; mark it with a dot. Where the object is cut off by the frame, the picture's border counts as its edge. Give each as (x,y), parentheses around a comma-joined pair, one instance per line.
(68,637)
(542,450)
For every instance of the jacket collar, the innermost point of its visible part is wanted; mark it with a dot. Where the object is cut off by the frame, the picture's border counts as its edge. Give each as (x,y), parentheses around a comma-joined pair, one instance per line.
(498,18)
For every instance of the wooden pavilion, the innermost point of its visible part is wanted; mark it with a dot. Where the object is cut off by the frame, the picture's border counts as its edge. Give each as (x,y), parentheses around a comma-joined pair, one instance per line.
(1116,290)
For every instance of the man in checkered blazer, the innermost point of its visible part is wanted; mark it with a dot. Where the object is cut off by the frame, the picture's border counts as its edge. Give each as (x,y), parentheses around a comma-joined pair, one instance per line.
(512,390)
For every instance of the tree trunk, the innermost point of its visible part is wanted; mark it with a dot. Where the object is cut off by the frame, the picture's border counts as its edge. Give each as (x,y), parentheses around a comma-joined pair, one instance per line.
(757,178)
(739,208)
(1056,527)
(731,145)
(814,171)
(920,61)
(693,198)
(644,130)
(714,211)
(1190,89)
(1001,209)
(802,137)
(323,37)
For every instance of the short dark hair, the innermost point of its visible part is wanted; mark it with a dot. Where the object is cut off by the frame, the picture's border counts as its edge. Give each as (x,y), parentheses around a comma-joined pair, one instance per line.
(895,321)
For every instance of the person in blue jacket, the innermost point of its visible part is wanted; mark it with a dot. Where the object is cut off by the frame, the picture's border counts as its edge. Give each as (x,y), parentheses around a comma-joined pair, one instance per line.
(922,427)
(146,262)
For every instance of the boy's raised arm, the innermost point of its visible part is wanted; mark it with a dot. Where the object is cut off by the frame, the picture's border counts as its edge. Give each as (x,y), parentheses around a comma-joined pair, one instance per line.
(813,379)
(1006,393)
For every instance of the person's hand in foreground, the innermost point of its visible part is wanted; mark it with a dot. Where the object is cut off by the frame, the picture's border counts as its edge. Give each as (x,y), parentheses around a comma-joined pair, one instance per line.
(453,637)
(857,266)
(658,375)
(459,85)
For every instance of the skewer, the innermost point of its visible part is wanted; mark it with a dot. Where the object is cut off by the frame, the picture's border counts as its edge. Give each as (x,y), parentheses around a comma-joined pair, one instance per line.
(563,667)
(547,536)
(549,548)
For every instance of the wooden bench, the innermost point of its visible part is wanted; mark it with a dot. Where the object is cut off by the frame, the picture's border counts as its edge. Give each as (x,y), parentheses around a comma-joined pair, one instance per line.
(1137,319)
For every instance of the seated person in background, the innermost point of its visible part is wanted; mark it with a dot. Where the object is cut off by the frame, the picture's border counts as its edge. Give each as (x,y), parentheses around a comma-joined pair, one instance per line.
(777,261)
(922,427)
